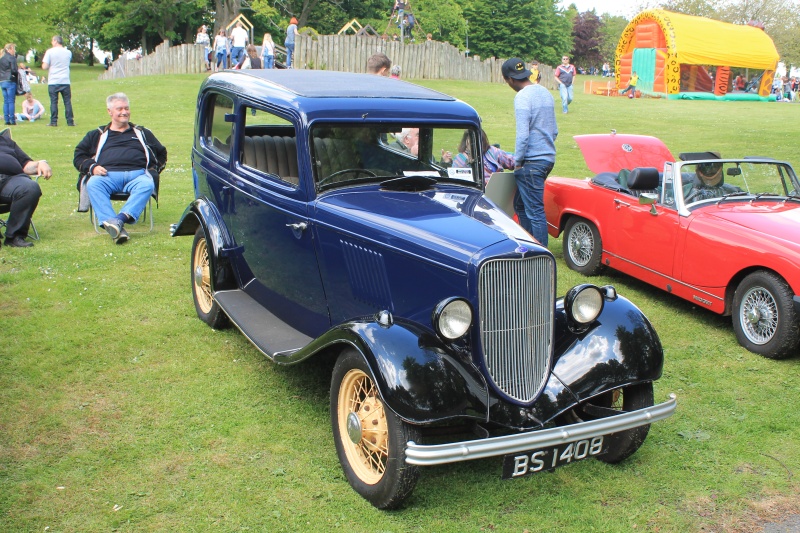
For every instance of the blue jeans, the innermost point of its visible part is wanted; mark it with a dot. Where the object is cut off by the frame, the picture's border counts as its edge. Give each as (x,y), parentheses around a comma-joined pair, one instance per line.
(9,98)
(221,56)
(136,182)
(34,112)
(66,95)
(269,61)
(289,53)
(529,200)
(566,96)
(236,54)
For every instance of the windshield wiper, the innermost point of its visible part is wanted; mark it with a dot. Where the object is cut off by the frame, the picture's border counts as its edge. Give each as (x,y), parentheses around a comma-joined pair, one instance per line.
(731,195)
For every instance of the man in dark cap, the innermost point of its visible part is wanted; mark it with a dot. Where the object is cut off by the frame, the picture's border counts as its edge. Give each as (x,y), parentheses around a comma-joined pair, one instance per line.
(535,153)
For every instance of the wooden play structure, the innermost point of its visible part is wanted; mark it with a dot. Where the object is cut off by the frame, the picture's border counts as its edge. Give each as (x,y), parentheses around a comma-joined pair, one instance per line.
(671,54)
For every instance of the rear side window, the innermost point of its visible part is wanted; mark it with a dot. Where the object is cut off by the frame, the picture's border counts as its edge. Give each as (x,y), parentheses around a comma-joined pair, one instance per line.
(270,146)
(217,134)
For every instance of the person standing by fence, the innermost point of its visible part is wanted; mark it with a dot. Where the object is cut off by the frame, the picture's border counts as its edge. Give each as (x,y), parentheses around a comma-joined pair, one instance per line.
(291,32)
(239,40)
(203,39)
(221,49)
(268,51)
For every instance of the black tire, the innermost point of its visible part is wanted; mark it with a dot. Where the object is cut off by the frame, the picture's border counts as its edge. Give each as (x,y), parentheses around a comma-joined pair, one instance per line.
(623,444)
(206,306)
(583,247)
(372,447)
(763,316)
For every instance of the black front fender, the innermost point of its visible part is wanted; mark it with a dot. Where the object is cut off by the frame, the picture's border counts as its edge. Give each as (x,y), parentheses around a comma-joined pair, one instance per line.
(419,377)
(203,213)
(621,348)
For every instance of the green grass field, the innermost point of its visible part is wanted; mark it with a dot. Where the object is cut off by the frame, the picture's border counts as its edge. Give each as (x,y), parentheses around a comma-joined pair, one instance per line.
(121,411)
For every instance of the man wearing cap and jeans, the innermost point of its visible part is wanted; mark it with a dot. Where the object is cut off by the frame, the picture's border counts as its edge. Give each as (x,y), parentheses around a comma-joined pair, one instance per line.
(535,152)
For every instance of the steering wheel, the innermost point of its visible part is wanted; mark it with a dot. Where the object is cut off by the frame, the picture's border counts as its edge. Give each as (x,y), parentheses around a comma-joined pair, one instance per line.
(355,171)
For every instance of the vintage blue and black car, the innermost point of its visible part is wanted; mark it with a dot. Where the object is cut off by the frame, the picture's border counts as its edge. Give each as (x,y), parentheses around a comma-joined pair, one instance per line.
(329,222)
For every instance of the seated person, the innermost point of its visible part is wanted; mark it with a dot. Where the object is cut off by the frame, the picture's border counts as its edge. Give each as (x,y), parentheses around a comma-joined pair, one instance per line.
(119,157)
(18,190)
(32,109)
(709,184)
(407,140)
(494,159)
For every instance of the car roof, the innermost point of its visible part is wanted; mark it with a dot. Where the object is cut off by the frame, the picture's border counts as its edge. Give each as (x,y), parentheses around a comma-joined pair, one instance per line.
(342,96)
(329,84)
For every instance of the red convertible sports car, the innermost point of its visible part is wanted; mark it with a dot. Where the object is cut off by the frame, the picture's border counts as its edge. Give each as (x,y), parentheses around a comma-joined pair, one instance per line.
(722,233)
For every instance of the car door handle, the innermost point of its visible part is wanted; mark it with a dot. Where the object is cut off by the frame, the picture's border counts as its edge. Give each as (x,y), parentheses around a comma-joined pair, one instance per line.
(298,226)
(620,203)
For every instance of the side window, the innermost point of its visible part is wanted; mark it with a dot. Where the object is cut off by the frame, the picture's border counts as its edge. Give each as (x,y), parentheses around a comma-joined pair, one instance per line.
(270,145)
(217,133)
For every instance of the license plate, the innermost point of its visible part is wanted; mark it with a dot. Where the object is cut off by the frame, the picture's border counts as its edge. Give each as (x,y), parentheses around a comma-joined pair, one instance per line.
(527,463)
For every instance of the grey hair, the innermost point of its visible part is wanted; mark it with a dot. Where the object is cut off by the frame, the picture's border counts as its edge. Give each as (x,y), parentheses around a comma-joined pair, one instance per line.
(58,39)
(117,96)
(396,70)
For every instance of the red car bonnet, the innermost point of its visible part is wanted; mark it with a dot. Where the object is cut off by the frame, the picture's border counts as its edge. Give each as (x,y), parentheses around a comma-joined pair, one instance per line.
(613,152)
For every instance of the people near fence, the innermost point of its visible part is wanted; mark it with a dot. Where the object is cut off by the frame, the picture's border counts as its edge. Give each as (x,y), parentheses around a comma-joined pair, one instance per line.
(535,150)
(18,190)
(395,72)
(239,40)
(57,60)
(9,71)
(429,37)
(250,59)
(291,33)
(631,85)
(494,159)
(32,109)
(379,64)
(119,157)
(204,40)
(268,51)
(565,75)
(606,69)
(221,50)
(535,74)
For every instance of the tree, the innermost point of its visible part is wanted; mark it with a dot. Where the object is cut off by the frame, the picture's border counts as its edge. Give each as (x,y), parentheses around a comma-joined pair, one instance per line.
(34,30)
(531,29)
(587,39)
(611,29)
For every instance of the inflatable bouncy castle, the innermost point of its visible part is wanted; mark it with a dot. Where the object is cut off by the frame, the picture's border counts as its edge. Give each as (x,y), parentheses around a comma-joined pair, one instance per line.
(672,54)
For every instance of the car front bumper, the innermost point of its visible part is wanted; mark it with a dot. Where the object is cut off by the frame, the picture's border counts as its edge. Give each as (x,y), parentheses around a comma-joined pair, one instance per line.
(436,454)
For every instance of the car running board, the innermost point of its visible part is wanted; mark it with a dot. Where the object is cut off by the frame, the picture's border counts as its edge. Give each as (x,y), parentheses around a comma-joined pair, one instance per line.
(271,335)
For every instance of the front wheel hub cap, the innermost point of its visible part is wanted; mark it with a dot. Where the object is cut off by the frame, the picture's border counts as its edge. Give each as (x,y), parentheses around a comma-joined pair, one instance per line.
(198,275)
(354,428)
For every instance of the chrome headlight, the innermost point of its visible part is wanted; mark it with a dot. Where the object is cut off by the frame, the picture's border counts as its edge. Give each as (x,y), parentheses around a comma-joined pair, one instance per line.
(583,304)
(452,318)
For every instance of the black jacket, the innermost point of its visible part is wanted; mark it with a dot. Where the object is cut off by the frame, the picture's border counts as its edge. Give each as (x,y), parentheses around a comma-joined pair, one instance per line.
(84,152)
(8,67)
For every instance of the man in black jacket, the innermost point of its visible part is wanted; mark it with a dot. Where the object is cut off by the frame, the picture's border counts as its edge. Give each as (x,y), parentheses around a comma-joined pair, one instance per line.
(18,190)
(119,157)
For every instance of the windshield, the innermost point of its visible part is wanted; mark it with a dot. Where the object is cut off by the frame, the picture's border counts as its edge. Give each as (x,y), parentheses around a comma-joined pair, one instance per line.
(347,155)
(714,180)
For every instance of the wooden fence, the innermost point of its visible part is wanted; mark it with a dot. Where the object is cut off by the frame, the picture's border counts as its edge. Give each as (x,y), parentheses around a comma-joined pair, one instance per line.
(431,60)
(183,59)
(424,60)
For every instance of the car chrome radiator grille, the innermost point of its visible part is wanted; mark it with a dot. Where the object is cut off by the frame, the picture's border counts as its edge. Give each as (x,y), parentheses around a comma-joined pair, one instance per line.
(516,298)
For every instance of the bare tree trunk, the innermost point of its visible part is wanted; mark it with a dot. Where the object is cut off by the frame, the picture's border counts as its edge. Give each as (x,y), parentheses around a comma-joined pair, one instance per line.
(144,41)
(226,11)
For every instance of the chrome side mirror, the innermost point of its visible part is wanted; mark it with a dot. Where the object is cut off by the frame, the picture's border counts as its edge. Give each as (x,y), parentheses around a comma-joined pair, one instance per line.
(648,198)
